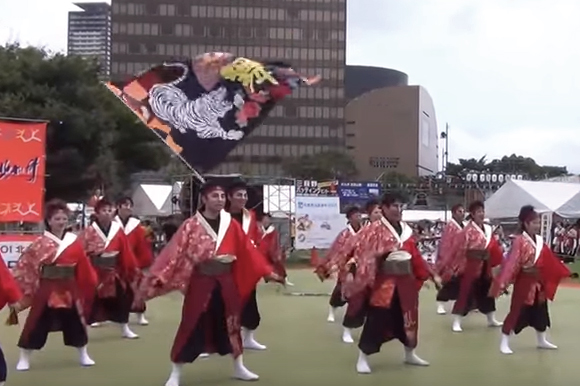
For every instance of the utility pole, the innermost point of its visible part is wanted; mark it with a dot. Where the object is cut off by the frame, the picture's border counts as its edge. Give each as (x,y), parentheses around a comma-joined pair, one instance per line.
(445,136)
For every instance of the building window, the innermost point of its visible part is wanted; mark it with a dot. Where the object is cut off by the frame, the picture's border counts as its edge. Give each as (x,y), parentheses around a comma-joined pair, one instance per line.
(198,30)
(151,48)
(152,8)
(167,29)
(183,10)
(245,32)
(293,13)
(215,31)
(134,48)
(290,111)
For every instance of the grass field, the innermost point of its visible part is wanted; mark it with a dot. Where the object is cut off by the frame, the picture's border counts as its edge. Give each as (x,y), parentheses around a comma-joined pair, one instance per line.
(303,349)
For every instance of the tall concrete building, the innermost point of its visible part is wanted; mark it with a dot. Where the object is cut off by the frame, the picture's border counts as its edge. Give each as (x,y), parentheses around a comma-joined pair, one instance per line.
(89,33)
(311,35)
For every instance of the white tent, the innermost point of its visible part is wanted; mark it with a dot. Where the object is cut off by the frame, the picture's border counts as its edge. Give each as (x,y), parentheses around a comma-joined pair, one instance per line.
(559,198)
(428,215)
(152,200)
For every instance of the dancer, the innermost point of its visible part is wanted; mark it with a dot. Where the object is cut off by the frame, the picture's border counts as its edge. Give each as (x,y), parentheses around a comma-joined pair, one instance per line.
(536,273)
(476,252)
(445,253)
(140,246)
(58,284)
(373,209)
(391,267)
(116,266)
(337,258)
(215,265)
(270,246)
(9,294)
(237,198)
(356,305)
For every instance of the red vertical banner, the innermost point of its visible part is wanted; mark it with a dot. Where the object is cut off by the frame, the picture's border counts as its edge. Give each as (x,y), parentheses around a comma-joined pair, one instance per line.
(22,170)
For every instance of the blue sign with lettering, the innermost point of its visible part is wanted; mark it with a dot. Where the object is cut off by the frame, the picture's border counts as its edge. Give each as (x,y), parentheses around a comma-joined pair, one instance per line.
(357,193)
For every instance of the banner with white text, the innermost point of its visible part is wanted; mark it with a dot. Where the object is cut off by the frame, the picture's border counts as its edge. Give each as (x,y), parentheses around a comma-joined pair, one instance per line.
(318,221)
(12,246)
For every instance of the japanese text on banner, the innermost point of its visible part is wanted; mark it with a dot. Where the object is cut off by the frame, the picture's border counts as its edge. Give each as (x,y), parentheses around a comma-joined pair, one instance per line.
(22,170)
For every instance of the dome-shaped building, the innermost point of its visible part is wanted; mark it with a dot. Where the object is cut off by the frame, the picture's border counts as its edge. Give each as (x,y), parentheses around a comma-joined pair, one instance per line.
(362,79)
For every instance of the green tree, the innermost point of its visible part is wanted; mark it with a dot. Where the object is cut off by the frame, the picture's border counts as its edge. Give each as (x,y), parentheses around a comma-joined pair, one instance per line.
(92,139)
(322,166)
(513,164)
(402,184)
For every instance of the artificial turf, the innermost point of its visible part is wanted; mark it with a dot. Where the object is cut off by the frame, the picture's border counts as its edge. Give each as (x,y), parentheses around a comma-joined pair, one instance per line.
(303,349)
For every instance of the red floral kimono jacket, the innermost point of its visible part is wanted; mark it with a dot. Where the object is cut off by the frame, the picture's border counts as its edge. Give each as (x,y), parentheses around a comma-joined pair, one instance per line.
(446,246)
(269,245)
(472,238)
(55,273)
(339,254)
(379,244)
(96,242)
(534,271)
(181,266)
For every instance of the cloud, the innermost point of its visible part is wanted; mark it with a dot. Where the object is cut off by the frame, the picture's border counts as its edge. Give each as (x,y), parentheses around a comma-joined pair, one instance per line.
(503,74)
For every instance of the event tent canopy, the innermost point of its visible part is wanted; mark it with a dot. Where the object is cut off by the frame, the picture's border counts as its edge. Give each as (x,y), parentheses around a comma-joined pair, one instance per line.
(152,200)
(559,198)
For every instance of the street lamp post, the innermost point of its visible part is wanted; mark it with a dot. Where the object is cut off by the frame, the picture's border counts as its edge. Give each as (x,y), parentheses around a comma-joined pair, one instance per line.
(445,136)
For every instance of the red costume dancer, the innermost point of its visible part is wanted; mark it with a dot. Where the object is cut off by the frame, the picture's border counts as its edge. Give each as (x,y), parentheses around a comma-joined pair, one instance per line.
(445,252)
(357,305)
(536,273)
(58,283)
(215,265)
(9,294)
(270,247)
(237,196)
(116,266)
(391,267)
(477,251)
(337,258)
(141,247)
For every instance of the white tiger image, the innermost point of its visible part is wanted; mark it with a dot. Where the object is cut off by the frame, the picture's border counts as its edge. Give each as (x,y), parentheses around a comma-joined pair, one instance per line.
(170,104)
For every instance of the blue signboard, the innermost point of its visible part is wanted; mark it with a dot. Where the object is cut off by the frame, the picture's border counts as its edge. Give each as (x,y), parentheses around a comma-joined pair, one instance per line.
(357,193)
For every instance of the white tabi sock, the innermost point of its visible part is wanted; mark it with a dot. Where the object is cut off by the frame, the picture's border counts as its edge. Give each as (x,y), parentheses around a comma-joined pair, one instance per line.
(362,364)
(84,357)
(504,346)
(249,341)
(492,321)
(456,327)
(175,375)
(347,335)
(543,342)
(441,308)
(24,360)
(127,333)
(331,312)
(142,320)
(241,372)
(411,358)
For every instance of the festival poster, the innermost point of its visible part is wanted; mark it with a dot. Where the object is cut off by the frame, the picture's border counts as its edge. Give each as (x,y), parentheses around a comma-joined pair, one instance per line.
(22,170)
(318,221)
(12,246)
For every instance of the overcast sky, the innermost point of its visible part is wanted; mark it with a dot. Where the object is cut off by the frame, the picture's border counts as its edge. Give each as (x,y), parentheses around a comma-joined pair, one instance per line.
(504,74)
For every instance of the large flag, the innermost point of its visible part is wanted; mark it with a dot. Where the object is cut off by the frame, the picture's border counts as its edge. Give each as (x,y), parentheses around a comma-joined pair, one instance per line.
(203,108)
